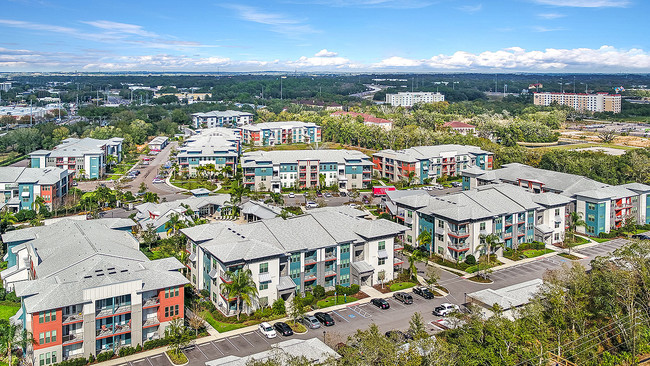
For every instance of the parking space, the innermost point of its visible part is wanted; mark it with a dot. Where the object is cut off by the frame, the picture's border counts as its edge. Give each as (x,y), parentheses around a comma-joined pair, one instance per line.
(603,248)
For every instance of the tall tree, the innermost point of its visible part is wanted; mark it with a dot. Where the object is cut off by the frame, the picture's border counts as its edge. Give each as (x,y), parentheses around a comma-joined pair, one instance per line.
(242,288)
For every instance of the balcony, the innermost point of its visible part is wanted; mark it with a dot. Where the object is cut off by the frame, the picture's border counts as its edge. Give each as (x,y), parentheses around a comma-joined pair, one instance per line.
(310,260)
(330,256)
(309,276)
(224,278)
(330,272)
(151,302)
(150,322)
(109,330)
(72,338)
(459,233)
(458,247)
(72,318)
(110,311)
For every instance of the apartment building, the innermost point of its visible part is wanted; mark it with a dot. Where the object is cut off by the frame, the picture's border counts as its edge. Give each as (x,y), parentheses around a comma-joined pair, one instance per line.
(368,120)
(221,119)
(599,102)
(217,146)
(602,206)
(86,288)
(85,157)
(280,133)
(5,86)
(422,163)
(325,247)
(408,99)
(457,222)
(158,214)
(21,186)
(275,170)
(460,127)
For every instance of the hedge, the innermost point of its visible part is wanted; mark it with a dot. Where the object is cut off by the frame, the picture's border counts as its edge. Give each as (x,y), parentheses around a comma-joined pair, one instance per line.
(105,356)
(155,343)
(73,362)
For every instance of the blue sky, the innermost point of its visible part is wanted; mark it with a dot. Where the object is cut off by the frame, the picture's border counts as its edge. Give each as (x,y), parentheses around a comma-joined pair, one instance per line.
(326,35)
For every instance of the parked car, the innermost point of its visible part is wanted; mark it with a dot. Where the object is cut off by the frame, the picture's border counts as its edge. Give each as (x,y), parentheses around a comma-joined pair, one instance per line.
(267,330)
(424,292)
(324,318)
(283,328)
(380,303)
(310,322)
(292,195)
(311,204)
(403,297)
(445,309)
(319,194)
(456,184)
(328,195)
(74,183)
(641,236)
(398,335)
(343,194)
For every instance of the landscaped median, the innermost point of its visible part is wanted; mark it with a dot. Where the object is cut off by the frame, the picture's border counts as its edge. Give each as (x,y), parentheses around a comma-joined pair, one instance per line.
(335,300)
(399,286)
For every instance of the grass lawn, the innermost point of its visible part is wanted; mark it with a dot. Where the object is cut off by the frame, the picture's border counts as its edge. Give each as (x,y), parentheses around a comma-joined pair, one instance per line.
(474,268)
(7,310)
(568,256)
(193,184)
(335,300)
(297,327)
(401,286)
(532,253)
(479,279)
(220,327)
(600,240)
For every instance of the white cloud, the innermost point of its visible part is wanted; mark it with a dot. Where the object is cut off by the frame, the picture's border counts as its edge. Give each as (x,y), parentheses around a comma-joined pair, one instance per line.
(279,23)
(121,28)
(516,58)
(551,15)
(586,3)
(36,26)
(391,4)
(542,29)
(471,8)
(325,53)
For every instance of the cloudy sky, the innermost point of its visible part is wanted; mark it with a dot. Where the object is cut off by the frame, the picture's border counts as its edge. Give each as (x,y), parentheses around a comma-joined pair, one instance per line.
(326,35)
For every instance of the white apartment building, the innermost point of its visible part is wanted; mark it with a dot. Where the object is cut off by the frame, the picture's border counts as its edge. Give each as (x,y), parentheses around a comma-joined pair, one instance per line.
(327,247)
(218,146)
(408,99)
(221,119)
(599,102)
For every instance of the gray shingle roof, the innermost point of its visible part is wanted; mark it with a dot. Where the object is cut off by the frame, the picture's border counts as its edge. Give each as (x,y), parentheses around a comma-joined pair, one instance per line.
(49,175)
(250,159)
(260,209)
(76,255)
(509,297)
(275,125)
(427,152)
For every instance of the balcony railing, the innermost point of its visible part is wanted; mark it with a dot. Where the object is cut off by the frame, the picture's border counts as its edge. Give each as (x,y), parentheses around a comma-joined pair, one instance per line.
(330,272)
(150,322)
(73,338)
(310,276)
(72,318)
(152,301)
(310,260)
(330,256)
(107,311)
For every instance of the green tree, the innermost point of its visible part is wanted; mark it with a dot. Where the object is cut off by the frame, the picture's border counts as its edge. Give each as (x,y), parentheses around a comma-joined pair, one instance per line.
(148,236)
(297,308)
(150,197)
(425,240)
(174,224)
(489,243)
(417,327)
(242,288)
(575,220)
(7,219)
(177,335)
(416,256)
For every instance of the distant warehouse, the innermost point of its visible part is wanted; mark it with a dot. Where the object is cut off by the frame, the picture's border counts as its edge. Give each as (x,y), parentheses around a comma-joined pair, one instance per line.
(599,102)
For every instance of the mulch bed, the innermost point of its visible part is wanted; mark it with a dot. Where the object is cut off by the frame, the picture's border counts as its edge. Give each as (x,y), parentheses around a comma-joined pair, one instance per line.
(384,290)
(361,295)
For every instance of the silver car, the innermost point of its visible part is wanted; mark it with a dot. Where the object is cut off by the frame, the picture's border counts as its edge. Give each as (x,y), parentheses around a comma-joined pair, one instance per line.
(310,322)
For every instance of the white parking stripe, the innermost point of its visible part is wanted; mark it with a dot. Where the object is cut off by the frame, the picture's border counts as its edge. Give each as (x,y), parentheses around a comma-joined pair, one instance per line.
(150,363)
(339,315)
(156,356)
(215,346)
(228,339)
(263,338)
(199,348)
(249,342)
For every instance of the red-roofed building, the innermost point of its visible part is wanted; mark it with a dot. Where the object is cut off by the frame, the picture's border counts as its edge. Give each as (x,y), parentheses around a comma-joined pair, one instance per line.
(368,120)
(460,127)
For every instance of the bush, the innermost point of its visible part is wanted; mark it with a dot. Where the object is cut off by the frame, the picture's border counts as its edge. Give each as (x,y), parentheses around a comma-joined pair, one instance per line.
(91,358)
(318,292)
(308,299)
(354,289)
(470,260)
(209,306)
(279,307)
(205,293)
(126,351)
(155,343)
(105,356)
(74,362)
(330,293)
(138,348)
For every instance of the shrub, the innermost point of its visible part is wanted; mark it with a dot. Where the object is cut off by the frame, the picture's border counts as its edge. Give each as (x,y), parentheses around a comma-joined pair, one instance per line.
(354,288)
(308,299)
(209,305)
(330,293)
(91,358)
(105,356)
(126,351)
(74,362)
(155,343)
(470,260)
(205,293)
(318,292)
(278,307)
(138,348)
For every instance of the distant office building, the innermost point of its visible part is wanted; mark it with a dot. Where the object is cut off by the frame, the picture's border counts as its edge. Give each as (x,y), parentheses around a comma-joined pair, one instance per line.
(280,133)
(599,102)
(221,119)
(88,156)
(20,186)
(408,99)
(5,86)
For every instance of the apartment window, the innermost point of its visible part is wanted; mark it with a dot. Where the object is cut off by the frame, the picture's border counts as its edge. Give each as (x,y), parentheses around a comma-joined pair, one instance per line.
(409,214)
(41,338)
(175,309)
(295,257)
(381,261)
(591,206)
(345,248)
(295,273)
(440,237)
(557,236)
(344,279)
(590,229)
(166,311)
(264,267)
(264,285)
(441,224)
(591,218)
(498,220)
(194,279)
(381,245)
(557,224)
(344,263)
(482,226)
(557,212)
(409,238)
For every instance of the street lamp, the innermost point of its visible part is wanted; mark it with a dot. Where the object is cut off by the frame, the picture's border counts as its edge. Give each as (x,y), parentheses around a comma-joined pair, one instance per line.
(324,334)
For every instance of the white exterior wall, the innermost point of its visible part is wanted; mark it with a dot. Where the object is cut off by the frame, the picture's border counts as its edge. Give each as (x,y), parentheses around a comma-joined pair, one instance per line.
(371,257)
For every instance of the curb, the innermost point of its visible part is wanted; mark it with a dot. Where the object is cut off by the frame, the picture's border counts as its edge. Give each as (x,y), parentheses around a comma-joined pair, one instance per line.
(177,364)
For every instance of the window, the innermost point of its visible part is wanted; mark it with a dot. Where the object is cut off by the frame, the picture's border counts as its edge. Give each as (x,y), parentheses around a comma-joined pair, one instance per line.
(557,212)
(557,236)
(295,258)
(264,267)
(345,248)
(42,360)
(175,309)
(48,337)
(591,206)
(381,261)
(590,229)
(482,226)
(441,224)
(194,279)
(177,291)
(409,214)
(591,218)
(557,224)
(166,311)
(264,285)
(498,220)
(344,279)
(381,245)
(344,263)
(409,238)
(41,338)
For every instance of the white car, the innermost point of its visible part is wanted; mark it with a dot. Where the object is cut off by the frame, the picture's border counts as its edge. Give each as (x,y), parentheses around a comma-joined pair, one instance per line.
(267,330)
(311,204)
(445,309)
(292,195)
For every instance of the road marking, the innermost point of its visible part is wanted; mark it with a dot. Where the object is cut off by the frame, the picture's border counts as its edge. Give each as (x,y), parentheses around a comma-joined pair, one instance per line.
(228,339)
(246,339)
(200,350)
(263,338)
(150,363)
(156,356)
(339,315)
(215,346)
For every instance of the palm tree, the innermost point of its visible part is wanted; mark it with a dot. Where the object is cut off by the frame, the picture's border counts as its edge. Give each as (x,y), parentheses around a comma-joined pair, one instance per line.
(410,177)
(575,220)
(424,240)
(177,336)
(490,243)
(11,335)
(174,224)
(416,256)
(111,160)
(38,203)
(242,288)
(7,219)
(150,197)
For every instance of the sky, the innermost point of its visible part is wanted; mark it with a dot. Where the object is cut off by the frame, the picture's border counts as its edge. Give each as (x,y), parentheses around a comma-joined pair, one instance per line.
(608,36)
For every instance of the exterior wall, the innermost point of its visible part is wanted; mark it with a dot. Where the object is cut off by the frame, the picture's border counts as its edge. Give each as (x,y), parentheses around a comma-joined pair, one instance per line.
(600,102)
(169,303)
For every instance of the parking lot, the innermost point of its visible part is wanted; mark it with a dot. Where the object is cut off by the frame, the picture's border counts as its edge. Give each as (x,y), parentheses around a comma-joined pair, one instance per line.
(157,360)
(603,248)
